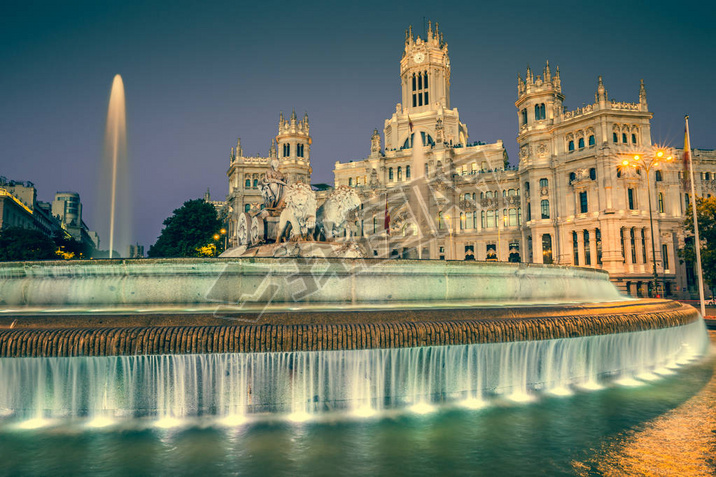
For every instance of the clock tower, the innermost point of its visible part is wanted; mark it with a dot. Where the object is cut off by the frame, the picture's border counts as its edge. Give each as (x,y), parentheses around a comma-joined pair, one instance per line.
(425,72)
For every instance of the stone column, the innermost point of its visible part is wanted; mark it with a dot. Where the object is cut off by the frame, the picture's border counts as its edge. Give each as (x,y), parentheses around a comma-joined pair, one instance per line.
(628,264)
(580,246)
(593,247)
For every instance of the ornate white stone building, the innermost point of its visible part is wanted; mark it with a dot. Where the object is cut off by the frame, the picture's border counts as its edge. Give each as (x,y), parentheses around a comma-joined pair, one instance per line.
(569,202)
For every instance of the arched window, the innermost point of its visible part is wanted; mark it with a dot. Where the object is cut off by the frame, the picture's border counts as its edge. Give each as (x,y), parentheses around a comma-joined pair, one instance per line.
(390,173)
(425,79)
(350,182)
(547,248)
(659,177)
(488,194)
(247,184)
(633,138)
(441,223)
(571,146)
(544,205)
(414,83)
(400,173)
(524,117)
(427,140)
(247,207)
(593,174)
(407,172)
(624,138)
(661,203)
(591,140)
(462,221)
(598,238)
(543,182)
(527,187)
(256,183)
(615,137)
(581,143)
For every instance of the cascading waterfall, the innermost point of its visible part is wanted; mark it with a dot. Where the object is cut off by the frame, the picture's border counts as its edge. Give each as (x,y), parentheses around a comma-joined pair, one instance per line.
(309,382)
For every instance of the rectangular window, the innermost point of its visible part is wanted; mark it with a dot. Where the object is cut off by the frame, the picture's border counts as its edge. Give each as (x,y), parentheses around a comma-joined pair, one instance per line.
(420,99)
(633,246)
(665,256)
(643,246)
(598,236)
(426,97)
(587,252)
(490,219)
(420,81)
(630,196)
(575,248)
(583,205)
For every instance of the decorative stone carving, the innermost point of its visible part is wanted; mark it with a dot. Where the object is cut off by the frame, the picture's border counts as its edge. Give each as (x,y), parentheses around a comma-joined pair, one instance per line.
(300,212)
(374,182)
(272,186)
(525,151)
(334,215)
(542,150)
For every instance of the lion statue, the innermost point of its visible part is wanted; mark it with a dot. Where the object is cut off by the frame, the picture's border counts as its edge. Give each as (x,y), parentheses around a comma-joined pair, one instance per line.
(333,216)
(300,212)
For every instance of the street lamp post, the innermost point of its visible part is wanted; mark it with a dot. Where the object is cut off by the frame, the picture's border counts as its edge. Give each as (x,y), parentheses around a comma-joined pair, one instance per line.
(647,164)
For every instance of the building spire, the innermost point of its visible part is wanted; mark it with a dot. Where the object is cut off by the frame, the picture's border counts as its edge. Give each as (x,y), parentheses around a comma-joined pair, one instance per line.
(642,94)
(547,73)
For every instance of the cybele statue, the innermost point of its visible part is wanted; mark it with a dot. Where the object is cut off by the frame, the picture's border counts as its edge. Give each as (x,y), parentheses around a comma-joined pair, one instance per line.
(290,213)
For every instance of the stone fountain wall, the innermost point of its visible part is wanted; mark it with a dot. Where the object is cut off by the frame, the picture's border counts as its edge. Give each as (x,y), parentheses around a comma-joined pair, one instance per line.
(108,336)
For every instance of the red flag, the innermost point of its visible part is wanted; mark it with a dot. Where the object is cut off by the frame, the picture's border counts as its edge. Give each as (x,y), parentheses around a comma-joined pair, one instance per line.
(387,216)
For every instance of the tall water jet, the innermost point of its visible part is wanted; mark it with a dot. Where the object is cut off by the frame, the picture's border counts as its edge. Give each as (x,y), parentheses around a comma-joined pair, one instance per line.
(114,203)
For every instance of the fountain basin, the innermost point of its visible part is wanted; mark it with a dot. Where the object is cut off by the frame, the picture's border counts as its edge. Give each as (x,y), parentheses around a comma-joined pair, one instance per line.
(251,284)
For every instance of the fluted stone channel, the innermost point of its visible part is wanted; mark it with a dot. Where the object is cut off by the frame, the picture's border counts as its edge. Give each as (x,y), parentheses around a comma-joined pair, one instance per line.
(122,335)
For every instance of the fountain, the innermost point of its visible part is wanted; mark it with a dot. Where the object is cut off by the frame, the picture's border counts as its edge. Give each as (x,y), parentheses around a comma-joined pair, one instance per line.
(175,339)
(295,321)
(112,213)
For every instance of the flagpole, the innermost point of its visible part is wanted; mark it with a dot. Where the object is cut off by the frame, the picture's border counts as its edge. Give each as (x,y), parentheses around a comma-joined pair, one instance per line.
(697,242)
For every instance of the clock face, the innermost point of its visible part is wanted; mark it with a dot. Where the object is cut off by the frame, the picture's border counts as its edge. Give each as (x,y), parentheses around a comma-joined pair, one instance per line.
(418,57)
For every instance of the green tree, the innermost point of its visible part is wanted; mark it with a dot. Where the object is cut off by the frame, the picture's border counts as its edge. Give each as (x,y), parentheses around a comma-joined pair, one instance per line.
(17,243)
(191,227)
(706,212)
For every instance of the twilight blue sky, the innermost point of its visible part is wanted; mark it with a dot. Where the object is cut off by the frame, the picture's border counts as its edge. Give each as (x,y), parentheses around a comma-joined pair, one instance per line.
(200,74)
